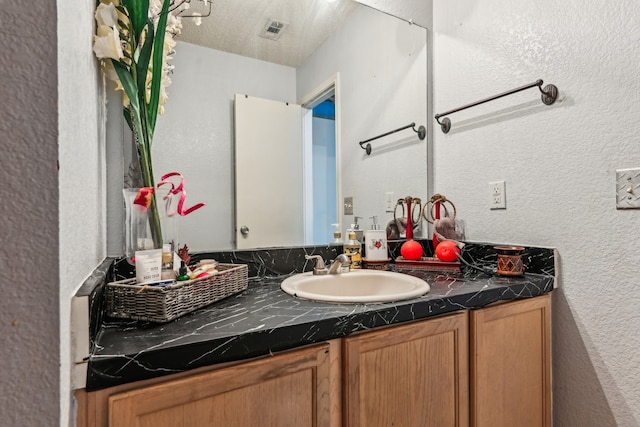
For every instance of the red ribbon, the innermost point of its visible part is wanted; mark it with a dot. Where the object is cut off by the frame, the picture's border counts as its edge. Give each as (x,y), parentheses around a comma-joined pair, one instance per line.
(179,189)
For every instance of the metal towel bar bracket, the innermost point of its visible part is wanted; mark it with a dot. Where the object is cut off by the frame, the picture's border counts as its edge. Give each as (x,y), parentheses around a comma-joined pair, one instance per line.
(421,131)
(549,94)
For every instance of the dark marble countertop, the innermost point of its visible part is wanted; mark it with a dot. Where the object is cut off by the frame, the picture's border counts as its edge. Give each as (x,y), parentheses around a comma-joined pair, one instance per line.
(264,319)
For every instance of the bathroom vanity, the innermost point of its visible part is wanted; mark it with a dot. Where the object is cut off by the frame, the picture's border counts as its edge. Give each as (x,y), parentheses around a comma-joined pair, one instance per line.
(474,351)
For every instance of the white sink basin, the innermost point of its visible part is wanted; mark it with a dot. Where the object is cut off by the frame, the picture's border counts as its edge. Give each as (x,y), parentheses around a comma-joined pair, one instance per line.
(357,286)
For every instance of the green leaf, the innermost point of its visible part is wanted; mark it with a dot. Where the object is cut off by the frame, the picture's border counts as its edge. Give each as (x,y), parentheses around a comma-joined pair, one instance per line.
(138,15)
(158,45)
(130,89)
(143,61)
(127,116)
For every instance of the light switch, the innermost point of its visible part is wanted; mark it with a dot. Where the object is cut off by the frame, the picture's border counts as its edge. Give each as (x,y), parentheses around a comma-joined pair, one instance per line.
(348,206)
(628,188)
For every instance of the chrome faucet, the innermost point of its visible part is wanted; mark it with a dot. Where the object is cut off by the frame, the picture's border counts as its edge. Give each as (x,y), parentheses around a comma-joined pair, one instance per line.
(341,260)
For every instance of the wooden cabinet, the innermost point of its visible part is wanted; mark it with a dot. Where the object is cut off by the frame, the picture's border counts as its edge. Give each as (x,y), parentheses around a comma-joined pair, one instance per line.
(511,364)
(408,375)
(485,368)
(294,389)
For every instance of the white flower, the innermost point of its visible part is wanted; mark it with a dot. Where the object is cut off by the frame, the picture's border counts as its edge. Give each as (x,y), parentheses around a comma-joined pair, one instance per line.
(169,44)
(165,82)
(110,72)
(174,24)
(107,44)
(112,41)
(106,14)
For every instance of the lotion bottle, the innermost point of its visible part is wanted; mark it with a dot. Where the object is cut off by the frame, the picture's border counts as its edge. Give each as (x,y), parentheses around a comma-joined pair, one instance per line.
(337,235)
(375,248)
(353,248)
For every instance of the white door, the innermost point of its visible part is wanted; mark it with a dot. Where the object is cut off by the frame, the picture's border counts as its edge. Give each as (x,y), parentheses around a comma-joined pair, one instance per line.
(269,177)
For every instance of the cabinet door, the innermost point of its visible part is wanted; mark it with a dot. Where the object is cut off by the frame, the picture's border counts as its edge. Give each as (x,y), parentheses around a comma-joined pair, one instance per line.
(413,375)
(510,364)
(289,389)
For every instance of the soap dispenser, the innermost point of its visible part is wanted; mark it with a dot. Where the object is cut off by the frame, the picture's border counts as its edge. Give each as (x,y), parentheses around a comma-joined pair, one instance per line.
(375,248)
(337,235)
(353,249)
(355,227)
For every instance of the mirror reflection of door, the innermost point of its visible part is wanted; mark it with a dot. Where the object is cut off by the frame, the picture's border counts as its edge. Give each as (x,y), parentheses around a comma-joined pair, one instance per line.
(270,134)
(268,173)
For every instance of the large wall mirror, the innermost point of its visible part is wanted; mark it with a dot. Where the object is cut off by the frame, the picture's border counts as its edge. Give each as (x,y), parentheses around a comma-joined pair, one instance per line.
(377,67)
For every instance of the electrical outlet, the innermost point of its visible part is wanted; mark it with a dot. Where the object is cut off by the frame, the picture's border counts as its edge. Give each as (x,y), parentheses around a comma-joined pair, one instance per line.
(628,188)
(498,195)
(388,201)
(348,206)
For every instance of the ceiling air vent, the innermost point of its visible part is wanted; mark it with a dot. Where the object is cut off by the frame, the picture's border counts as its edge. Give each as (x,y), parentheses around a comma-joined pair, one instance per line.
(273,29)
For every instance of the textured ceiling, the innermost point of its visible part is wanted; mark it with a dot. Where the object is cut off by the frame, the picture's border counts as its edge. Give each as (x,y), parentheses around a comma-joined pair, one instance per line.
(234,26)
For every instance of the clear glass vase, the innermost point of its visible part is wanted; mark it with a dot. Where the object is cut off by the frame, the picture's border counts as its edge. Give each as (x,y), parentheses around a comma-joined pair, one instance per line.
(137,229)
(137,232)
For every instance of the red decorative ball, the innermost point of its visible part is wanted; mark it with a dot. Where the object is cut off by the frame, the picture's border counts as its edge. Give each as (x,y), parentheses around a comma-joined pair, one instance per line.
(411,250)
(447,251)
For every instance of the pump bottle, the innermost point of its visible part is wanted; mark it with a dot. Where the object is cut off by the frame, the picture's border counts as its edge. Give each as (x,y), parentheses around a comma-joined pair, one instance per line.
(337,235)
(353,248)
(375,246)
(355,227)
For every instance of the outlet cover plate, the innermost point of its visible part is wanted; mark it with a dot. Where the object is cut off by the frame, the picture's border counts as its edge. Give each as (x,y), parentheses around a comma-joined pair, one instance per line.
(628,188)
(389,202)
(498,196)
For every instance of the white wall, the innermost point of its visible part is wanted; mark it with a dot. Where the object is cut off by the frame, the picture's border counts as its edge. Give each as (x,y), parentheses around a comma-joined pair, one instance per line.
(82,174)
(383,86)
(559,166)
(53,212)
(29,326)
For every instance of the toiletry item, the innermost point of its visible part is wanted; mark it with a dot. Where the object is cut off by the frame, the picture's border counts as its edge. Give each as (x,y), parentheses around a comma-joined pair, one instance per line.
(203,268)
(375,243)
(355,227)
(337,235)
(208,262)
(167,262)
(160,283)
(148,266)
(353,249)
(167,256)
(183,273)
(167,274)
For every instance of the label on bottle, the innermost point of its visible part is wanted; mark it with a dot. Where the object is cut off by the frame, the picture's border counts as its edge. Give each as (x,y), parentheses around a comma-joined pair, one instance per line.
(376,245)
(354,252)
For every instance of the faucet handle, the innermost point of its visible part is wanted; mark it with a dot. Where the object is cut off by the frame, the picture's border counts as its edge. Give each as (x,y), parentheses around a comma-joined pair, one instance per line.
(320,267)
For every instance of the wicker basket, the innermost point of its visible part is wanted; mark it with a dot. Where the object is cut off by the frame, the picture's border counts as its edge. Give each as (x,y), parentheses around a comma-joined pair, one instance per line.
(127,300)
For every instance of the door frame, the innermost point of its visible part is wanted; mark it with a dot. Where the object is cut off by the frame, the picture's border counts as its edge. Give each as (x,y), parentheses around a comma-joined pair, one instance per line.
(309,101)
